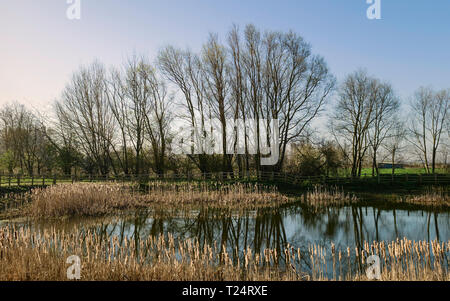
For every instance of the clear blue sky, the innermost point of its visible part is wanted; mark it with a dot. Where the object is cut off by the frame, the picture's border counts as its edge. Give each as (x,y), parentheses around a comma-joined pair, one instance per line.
(40,47)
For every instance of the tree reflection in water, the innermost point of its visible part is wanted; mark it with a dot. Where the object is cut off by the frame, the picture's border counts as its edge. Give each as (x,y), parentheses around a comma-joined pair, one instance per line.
(297,225)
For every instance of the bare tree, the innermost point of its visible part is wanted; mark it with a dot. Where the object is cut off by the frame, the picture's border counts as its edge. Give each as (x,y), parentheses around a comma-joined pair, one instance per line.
(286,83)
(157,121)
(63,141)
(252,60)
(139,75)
(117,101)
(394,143)
(185,70)
(84,111)
(22,139)
(386,107)
(429,120)
(266,77)
(215,68)
(354,116)
(238,98)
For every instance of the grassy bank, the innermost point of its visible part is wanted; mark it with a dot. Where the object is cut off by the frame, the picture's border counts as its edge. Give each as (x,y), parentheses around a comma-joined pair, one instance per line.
(29,255)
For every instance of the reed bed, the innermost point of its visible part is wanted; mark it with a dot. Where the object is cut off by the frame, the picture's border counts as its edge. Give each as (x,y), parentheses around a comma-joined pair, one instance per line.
(325,196)
(30,255)
(400,260)
(437,197)
(94,199)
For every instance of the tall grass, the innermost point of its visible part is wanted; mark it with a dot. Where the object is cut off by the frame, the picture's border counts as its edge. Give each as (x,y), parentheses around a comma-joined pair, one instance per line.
(29,255)
(99,199)
(433,197)
(324,196)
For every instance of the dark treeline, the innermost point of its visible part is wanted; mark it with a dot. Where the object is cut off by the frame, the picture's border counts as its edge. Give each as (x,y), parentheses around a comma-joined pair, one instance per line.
(123,120)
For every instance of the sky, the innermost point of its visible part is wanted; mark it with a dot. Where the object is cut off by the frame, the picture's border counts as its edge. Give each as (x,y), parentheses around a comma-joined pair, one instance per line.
(40,47)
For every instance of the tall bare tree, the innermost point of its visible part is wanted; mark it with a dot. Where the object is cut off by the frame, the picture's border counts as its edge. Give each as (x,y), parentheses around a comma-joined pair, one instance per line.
(354,115)
(394,143)
(238,93)
(184,69)
(138,78)
(118,103)
(84,111)
(157,120)
(386,107)
(429,120)
(215,67)
(285,83)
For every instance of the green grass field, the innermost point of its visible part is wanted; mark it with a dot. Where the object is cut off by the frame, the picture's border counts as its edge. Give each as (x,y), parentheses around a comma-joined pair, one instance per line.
(399,171)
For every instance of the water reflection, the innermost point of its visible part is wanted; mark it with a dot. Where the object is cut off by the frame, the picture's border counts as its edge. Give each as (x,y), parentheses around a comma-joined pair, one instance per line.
(295,224)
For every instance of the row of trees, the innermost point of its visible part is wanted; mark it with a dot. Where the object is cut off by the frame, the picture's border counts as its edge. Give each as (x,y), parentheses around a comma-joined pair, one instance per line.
(367,123)
(126,120)
(271,76)
(23,142)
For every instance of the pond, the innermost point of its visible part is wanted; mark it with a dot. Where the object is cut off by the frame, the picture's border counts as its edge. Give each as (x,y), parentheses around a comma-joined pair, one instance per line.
(295,224)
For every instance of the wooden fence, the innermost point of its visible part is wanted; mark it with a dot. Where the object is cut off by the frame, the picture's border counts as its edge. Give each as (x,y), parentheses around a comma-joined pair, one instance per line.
(278,177)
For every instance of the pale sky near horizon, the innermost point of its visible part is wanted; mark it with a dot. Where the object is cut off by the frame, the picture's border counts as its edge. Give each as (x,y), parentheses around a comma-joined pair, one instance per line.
(40,47)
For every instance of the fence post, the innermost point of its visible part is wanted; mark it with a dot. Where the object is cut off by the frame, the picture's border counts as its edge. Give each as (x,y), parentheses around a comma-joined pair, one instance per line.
(43,180)
(32,180)
(9,181)
(18,180)
(54,179)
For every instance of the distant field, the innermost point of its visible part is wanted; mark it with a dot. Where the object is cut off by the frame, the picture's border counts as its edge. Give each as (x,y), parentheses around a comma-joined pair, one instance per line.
(368,171)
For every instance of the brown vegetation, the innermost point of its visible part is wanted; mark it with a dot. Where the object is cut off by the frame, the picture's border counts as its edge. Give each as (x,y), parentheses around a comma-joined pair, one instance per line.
(324,196)
(99,199)
(437,197)
(29,255)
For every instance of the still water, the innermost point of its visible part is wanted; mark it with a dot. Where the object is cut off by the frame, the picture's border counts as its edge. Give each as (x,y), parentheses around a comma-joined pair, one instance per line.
(295,224)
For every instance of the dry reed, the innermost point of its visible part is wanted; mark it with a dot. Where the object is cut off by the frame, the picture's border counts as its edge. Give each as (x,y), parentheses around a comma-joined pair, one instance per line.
(437,197)
(325,196)
(99,199)
(29,255)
